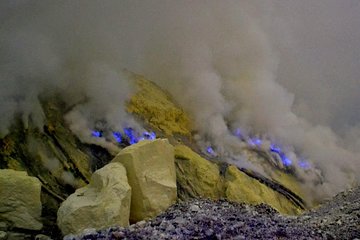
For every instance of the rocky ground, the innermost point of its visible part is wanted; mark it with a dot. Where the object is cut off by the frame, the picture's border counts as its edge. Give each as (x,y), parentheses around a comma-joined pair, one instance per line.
(205,219)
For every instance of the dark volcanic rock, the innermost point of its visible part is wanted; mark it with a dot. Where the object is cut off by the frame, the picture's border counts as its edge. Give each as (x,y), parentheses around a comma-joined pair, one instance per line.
(340,216)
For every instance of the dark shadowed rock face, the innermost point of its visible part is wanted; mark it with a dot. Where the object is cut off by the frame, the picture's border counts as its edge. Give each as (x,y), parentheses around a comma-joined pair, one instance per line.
(205,219)
(55,156)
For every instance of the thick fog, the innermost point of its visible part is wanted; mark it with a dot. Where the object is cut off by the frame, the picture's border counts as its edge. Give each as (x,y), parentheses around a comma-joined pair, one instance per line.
(288,70)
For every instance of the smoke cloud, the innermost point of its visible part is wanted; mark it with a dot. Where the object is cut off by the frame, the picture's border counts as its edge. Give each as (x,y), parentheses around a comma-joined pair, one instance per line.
(285,70)
(49,48)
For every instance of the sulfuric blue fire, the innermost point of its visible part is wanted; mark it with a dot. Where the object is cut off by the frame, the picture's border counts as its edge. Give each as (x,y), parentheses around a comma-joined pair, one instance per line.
(148,136)
(304,164)
(96,133)
(210,150)
(117,136)
(255,141)
(258,142)
(284,159)
(275,149)
(238,133)
(129,134)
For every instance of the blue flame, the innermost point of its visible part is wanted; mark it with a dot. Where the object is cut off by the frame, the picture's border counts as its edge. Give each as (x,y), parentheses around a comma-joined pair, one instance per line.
(117,136)
(129,132)
(96,133)
(210,150)
(255,141)
(135,138)
(238,133)
(274,148)
(149,135)
(304,164)
(285,160)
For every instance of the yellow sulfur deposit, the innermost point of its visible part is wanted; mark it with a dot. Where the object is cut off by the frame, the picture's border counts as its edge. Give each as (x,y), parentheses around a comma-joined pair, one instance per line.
(196,176)
(242,188)
(288,181)
(277,175)
(157,109)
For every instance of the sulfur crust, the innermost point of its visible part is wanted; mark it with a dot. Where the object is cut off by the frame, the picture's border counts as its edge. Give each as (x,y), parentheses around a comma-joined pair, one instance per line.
(201,178)
(157,109)
(242,188)
(198,176)
(287,180)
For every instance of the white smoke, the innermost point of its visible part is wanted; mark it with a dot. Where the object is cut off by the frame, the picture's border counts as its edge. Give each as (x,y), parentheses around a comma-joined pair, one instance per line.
(223,69)
(288,71)
(48,48)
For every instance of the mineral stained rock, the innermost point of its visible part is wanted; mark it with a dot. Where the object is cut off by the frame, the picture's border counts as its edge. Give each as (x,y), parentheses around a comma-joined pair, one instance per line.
(239,187)
(103,203)
(151,173)
(196,176)
(20,204)
(157,109)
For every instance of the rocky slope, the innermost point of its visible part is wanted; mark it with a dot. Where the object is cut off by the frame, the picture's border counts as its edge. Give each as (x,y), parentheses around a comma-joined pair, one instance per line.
(205,219)
(64,163)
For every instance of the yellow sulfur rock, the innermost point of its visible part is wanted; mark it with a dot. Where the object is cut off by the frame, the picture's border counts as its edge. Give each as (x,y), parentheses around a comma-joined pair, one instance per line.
(288,181)
(275,174)
(151,174)
(157,109)
(242,188)
(20,204)
(196,176)
(105,202)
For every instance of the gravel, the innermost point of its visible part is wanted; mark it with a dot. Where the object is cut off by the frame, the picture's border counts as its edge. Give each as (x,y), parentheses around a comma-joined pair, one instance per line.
(206,219)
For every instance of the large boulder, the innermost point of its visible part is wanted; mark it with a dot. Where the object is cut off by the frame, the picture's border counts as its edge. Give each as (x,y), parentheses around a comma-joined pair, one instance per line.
(151,174)
(103,203)
(196,176)
(20,204)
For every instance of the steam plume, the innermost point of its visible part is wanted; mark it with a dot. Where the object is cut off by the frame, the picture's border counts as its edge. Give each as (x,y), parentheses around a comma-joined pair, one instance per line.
(285,71)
